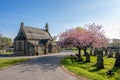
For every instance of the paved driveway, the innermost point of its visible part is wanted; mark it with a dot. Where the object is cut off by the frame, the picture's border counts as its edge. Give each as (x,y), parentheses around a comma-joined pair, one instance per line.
(41,68)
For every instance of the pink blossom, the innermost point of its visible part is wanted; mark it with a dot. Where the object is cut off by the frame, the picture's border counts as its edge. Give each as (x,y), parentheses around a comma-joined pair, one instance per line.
(81,37)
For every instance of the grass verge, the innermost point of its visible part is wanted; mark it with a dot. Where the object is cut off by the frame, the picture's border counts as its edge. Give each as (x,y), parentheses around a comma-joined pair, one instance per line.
(7,53)
(11,61)
(90,71)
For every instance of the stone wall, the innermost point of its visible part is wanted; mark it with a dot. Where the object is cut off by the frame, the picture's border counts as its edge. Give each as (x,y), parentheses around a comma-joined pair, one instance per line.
(19,47)
(19,53)
(55,49)
(41,50)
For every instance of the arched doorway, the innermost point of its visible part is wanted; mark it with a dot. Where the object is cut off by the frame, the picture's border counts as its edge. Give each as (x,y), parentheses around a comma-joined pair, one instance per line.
(50,48)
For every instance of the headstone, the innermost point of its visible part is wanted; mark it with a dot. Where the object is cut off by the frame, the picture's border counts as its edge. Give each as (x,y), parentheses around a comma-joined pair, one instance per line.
(110,53)
(100,52)
(90,52)
(100,62)
(87,57)
(106,52)
(79,58)
(117,59)
(116,52)
(73,58)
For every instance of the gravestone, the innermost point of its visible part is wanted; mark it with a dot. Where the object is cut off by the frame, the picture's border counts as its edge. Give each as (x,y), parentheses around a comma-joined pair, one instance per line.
(100,63)
(117,59)
(106,52)
(79,58)
(87,57)
(90,52)
(110,53)
(100,52)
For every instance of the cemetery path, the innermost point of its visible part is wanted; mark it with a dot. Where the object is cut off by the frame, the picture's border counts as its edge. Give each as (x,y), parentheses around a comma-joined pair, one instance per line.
(41,68)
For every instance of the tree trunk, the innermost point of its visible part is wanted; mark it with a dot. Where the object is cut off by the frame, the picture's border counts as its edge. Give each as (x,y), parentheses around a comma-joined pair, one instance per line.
(85,50)
(79,55)
(79,52)
(95,52)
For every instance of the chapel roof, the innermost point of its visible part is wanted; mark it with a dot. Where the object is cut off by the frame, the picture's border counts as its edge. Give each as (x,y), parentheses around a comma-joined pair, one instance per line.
(32,33)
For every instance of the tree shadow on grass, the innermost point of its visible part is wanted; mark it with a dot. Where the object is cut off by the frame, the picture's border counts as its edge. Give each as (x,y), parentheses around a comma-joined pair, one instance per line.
(114,69)
(94,65)
(83,62)
(95,69)
(111,73)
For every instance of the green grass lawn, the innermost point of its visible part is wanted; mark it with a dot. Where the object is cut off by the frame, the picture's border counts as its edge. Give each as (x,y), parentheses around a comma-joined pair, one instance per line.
(89,69)
(7,53)
(11,61)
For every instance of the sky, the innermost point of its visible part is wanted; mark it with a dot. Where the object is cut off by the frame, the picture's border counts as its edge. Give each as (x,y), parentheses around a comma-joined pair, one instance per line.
(60,15)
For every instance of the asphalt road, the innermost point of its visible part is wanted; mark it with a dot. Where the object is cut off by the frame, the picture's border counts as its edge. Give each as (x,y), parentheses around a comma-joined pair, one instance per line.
(45,67)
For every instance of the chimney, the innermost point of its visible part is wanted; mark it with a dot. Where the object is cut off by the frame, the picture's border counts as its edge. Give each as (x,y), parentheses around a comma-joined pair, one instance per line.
(22,24)
(46,27)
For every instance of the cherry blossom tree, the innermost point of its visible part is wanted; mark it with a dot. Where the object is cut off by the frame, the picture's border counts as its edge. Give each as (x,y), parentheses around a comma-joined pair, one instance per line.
(78,37)
(99,40)
(81,38)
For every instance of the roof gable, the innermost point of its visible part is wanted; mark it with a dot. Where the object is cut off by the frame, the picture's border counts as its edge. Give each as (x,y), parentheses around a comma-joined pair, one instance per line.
(20,35)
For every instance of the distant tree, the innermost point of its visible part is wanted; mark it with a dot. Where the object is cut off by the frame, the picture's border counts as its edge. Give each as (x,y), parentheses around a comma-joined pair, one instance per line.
(54,38)
(5,42)
(0,40)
